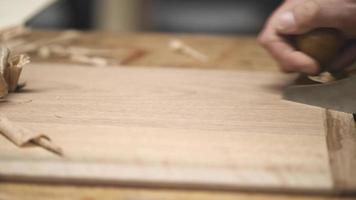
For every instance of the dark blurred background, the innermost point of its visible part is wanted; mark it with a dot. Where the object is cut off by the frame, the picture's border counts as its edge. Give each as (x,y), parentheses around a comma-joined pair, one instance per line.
(203,16)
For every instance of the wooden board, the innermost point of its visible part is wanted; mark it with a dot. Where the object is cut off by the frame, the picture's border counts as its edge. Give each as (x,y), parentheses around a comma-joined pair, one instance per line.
(171,127)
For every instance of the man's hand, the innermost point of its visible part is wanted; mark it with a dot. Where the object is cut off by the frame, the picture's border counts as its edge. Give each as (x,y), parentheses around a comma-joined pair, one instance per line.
(295,17)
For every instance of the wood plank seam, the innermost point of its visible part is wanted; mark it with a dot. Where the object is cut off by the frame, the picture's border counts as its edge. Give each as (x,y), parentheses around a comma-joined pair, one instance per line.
(341,142)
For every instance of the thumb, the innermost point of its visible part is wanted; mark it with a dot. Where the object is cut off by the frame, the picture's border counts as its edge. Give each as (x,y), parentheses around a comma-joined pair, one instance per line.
(303,17)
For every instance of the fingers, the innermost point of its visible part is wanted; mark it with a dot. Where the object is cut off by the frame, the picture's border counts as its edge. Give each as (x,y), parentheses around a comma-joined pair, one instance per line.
(307,15)
(347,58)
(289,59)
(296,17)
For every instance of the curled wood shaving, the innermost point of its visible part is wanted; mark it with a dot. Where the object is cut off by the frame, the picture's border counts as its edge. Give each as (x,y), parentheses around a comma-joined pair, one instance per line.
(21,136)
(4,90)
(327,77)
(4,57)
(324,77)
(10,71)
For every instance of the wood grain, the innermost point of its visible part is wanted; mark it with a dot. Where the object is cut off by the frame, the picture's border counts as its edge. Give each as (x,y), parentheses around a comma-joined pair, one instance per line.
(223,52)
(167,126)
(341,141)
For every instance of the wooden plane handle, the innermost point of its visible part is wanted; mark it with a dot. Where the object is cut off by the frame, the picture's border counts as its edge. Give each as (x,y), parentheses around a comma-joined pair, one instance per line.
(322,44)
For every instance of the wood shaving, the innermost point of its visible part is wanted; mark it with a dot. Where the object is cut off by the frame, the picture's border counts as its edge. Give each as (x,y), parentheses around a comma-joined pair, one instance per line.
(61,47)
(92,60)
(180,47)
(13,32)
(10,71)
(96,57)
(327,77)
(4,90)
(71,50)
(33,46)
(324,77)
(21,136)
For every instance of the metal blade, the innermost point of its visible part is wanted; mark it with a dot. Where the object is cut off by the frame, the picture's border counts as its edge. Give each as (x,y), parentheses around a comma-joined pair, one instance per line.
(339,95)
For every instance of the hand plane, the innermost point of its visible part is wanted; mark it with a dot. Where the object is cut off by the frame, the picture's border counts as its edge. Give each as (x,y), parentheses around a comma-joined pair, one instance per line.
(338,94)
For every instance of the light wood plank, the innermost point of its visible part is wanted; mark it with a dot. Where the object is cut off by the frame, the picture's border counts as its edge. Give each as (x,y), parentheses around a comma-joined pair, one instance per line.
(21,191)
(167,126)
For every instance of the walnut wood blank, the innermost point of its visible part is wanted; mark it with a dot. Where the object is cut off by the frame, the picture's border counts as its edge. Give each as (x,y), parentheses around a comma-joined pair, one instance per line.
(203,128)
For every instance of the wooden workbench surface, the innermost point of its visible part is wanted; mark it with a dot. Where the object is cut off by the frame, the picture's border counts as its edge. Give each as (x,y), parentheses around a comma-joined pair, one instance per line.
(240,53)
(223,52)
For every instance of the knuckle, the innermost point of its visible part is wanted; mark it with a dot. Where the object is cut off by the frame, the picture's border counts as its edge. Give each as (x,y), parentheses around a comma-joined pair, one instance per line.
(347,18)
(307,12)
